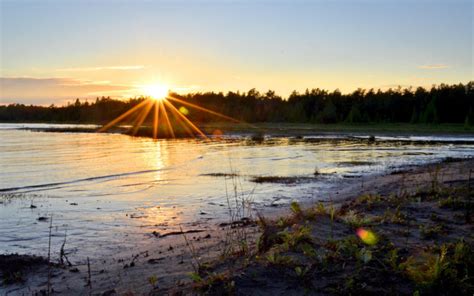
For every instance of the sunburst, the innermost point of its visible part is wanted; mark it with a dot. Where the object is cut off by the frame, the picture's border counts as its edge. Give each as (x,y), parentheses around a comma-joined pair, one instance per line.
(159,103)
(156,91)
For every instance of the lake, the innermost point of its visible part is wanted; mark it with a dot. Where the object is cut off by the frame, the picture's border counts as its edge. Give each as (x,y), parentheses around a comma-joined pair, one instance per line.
(109,192)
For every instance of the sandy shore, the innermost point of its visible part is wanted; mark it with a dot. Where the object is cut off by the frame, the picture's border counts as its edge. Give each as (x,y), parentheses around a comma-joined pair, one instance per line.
(166,266)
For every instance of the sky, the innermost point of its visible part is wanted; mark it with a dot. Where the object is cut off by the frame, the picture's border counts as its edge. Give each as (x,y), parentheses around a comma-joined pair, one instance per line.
(55,51)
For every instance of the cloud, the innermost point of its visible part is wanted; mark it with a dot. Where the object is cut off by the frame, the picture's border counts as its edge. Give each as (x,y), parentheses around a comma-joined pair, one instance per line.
(434,67)
(31,90)
(88,69)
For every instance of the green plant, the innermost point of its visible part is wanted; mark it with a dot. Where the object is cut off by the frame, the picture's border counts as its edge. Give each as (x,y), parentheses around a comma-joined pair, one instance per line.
(364,255)
(451,203)
(196,277)
(308,250)
(295,208)
(301,272)
(153,280)
(395,217)
(392,259)
(434,175)
(429,232)
(320,209)
(275,258)
(332,215)
(355,220)
(369,199)
(294,236)
(427,268)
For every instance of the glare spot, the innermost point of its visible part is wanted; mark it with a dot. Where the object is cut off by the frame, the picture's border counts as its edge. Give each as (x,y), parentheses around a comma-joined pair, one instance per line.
(367,236)
(183,110)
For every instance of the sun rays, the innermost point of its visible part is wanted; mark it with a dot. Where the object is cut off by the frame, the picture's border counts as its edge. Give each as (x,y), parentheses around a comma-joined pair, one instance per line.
(167,121)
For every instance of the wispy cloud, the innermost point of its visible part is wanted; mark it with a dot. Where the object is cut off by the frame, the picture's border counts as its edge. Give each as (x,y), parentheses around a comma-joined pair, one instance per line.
(433,66)
(101,68)
(49,90)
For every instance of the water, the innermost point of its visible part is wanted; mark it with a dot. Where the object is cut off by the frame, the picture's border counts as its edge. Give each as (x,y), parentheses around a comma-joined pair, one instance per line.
(109,192)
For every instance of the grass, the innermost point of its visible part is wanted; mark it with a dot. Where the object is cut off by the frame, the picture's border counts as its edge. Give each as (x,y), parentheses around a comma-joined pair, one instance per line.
(404,244)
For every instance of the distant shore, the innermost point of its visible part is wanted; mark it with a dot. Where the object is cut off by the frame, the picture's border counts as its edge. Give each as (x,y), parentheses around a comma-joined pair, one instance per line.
(219,263)
(259,130)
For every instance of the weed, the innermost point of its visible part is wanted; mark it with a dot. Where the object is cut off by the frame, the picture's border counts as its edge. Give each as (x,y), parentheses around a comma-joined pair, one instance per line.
(451,203)
(448,269)
(355,220)
(430,232)
(196,264)
(393,259)
(395,217)
(301,272)
(364,255)
(368,199)
(239,206)
(320,209)
(297,235)
(434,176)
(275,258)
(296,208)
(153,280)
(308,250)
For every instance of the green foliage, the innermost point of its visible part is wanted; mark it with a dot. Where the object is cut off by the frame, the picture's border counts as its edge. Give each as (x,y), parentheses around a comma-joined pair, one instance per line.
(276,258)
(427,268)
(451,203)
(429,232)
(395,217)
(364,255)
(308,250)
(355,220)
(393,259)
(320,209)
(301,272)
(196,277)
(295,208)
(291,238)
(449,268)
(153,280)
(369,199)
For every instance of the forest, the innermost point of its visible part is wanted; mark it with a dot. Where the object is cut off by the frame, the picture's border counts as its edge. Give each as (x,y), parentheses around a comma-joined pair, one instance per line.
(440,104)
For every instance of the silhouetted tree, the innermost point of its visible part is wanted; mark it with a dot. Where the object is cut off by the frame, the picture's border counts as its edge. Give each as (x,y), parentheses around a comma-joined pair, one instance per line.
(440,104)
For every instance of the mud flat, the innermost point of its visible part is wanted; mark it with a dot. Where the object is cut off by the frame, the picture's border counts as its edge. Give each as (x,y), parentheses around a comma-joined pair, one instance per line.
(404,232)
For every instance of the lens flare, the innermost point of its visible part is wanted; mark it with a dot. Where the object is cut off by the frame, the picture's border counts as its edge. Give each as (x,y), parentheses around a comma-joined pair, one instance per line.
(184,110)
(367,236)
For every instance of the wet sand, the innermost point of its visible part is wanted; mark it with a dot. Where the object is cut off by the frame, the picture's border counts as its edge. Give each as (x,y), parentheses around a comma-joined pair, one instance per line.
(165,266)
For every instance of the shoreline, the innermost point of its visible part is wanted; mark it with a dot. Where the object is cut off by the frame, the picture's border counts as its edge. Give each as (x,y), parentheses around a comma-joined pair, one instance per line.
(173,257)
(275,129)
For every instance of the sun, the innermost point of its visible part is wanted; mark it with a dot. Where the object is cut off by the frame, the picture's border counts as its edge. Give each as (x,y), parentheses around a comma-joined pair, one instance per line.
(156,91)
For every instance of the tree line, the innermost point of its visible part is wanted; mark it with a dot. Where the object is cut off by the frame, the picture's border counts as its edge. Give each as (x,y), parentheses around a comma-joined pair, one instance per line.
(440,104)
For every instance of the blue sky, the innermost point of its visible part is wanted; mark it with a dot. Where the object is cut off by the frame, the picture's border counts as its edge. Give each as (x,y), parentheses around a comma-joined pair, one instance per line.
(52,51)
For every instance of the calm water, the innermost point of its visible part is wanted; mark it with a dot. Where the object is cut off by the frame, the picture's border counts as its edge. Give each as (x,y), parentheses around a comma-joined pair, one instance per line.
(109,192)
